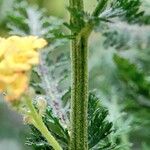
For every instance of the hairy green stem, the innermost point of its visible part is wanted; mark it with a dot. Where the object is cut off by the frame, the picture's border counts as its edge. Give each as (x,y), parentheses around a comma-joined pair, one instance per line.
(79,94)
(79,70)
(79,87)
(38,123)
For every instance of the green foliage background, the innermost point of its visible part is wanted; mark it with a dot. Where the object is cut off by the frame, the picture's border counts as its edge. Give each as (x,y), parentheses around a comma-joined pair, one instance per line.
(119,70)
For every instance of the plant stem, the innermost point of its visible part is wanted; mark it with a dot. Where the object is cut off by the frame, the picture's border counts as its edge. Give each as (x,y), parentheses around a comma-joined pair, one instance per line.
(79,70)
(79,87)
(38,122)
(79,95)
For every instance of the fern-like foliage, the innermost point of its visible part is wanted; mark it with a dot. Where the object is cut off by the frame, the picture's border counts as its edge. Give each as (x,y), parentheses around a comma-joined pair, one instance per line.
(130,8)
(30,20)
(80,15)
(53,124)
(134,80)
(136,85)
(127,10)
(99,128)
(5,6)
(117,24)
(106,11)
(125,36)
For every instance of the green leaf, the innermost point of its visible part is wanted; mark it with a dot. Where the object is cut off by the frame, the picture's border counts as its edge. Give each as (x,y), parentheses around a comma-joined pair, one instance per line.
(131,9)
(125,36)
(53,124)
(30,20)
(99,127)
(132,77)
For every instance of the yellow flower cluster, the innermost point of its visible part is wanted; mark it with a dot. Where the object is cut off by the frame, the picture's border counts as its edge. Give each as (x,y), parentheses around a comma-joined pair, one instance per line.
(17,56)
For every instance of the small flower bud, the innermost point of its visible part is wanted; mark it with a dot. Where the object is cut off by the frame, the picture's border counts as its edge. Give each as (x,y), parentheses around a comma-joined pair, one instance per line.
(27,120)
(41,105)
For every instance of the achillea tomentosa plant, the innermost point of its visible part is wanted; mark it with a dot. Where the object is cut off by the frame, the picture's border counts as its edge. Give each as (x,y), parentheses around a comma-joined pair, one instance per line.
(19,54)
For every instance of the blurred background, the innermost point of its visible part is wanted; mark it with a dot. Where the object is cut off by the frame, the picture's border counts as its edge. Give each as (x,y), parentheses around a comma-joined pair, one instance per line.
(119,67)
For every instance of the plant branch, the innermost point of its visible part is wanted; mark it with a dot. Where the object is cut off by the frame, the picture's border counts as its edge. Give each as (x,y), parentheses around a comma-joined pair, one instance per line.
(38,122)
(79,70)
(88,27)
(79,87)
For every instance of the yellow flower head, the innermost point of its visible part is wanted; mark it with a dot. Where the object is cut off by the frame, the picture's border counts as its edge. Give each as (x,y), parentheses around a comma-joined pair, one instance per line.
(17,87)
(27,43)
(6,75)
(22,60)
(17,56)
